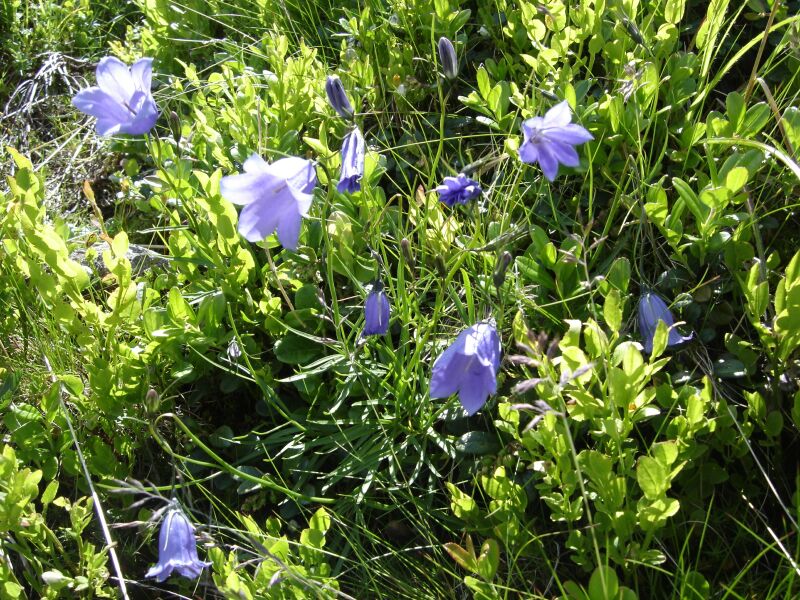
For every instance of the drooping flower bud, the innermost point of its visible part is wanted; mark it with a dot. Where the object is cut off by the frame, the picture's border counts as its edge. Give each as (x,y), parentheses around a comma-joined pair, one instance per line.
(152,400)
(376,311)
(338,97)
(499,275)
(448,58)
(352,162)
(653,309)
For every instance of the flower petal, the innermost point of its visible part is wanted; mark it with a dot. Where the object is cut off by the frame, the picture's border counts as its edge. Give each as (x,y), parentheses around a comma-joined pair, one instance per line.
(114,78)
(529,152)
(142,74)
(108,126)
(255,164)
(146,115)
(531,126)
(257,221)
(564,153)
(97,103)
(246,187)
(299,173)
(445,379)
(289,228)
(548,162)
(572,134)
(558,116)
(473,394)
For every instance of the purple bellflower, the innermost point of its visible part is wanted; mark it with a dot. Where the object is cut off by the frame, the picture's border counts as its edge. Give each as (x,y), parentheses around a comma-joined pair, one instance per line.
(121,101)
(376,311)
(469,366)
(458,190)
(653,309)
(551,140)
(338,97)
(177,548)
(352,162)
(275,196)
(448,58)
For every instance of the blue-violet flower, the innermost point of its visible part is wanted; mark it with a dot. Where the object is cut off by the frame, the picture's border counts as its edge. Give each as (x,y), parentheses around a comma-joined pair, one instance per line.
(448,58)
(338,97)
(458,190)
(469,366)
(376,311)
(177,548)
(275,196)
(121,101)
(551,140)
(352,162)
(653,309)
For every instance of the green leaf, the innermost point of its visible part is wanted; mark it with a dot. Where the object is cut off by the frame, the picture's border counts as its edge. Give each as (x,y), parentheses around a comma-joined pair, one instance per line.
(673,11)
(695,587)
(477,443)
(49,493)
(652,477)
(660,339)
(321,520)
(736,178)
(603,584)
(734,103)
(687,194)
(488,560)
(612,310)
(465,559)
(296,350)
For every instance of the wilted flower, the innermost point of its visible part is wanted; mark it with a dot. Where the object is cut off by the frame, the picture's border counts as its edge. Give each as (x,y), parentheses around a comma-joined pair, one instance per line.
(276,197)
(550,140)
(177,548)
(376,311)
(458,190)
(448,58)
(653,309)
(469,366)
(121,101)
(352,162)
(338,97)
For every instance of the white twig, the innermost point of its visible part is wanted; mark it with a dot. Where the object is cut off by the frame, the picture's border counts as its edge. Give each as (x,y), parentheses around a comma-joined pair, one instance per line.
(95,498)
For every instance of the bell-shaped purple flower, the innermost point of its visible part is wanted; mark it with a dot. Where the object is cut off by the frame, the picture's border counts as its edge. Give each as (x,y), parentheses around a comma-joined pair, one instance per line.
(551,140)
(352,162)
(376,311)
(275,196)
(121,101)
(458,190)
(469,366)
(653,309)
(177,548)
(338,97)
(448,58)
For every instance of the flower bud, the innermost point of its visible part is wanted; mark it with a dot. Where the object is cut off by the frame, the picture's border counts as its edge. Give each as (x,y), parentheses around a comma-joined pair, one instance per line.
(653,309)
(376,311)
(175,126)
(152,400)
(448,58)
(405,247)
(338,97)
(499,275)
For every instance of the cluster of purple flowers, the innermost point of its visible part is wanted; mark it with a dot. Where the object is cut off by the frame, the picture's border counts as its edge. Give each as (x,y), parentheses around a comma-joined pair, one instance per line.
(276,196)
